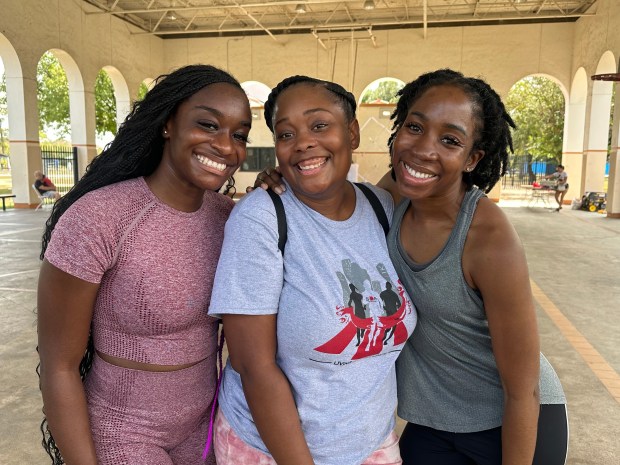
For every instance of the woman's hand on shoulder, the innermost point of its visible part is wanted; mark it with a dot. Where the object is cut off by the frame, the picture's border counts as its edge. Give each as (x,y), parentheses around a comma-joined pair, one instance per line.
(269,178)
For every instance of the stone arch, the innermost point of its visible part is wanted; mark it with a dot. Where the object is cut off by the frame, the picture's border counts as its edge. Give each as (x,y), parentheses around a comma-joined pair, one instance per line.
(82,120)
(14,87)
(613,185)
(121,93)
(257,93)
(18,130)
(574,131)
(371,158)
(525,169)
(595,154)
(374,84)
(77,108)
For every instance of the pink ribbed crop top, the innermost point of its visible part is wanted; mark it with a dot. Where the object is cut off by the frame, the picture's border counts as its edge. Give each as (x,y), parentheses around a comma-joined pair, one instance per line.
(155,266)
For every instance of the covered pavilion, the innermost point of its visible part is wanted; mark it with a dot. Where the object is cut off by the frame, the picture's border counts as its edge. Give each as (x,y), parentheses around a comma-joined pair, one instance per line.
(353,42)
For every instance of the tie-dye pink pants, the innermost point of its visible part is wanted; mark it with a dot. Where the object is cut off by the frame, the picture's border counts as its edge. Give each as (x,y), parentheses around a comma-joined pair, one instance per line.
(230,449)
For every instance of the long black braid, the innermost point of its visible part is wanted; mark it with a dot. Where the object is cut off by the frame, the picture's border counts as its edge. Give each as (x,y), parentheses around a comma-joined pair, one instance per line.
(345,98)
(136,151)
(492,126)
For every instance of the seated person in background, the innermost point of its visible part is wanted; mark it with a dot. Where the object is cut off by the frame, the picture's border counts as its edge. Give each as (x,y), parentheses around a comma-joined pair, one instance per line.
(45,186)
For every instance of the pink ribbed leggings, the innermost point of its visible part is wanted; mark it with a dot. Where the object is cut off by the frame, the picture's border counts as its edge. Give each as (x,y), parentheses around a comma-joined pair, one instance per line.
(150,418)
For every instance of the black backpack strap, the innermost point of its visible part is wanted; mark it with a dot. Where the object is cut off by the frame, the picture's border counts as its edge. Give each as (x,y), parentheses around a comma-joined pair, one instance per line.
(281,215)
(375,203)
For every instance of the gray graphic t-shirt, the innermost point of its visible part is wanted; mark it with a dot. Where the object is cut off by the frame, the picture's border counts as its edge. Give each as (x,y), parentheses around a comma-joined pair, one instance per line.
(342,319)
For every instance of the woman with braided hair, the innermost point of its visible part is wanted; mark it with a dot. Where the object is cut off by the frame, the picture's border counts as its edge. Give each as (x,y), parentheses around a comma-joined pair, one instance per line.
(127,350)
(471,379)
(310,379)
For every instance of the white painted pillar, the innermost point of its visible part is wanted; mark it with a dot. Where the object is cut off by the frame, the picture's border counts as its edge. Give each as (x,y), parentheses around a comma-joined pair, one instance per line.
(574,134)
(24,137)
(572,152)
(595,153)
(82,110)
(613,186)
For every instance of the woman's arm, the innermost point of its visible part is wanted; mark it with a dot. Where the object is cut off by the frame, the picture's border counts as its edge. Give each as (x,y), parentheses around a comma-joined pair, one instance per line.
(495,263)
(252,345)
(64,313)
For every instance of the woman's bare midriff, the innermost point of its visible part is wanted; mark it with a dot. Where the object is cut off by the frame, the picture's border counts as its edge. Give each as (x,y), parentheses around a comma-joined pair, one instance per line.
(124,363)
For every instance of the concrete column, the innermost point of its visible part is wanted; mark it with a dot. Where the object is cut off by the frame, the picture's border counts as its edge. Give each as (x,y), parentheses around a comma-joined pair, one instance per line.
(24,137)
(574,134)
(595,153)
(613,186)
(82,108)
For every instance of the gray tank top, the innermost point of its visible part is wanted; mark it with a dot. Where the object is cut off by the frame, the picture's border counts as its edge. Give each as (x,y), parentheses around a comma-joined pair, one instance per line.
(447,376)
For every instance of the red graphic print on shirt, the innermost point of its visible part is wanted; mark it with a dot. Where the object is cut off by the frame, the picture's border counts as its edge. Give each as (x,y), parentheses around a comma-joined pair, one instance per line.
(374,332)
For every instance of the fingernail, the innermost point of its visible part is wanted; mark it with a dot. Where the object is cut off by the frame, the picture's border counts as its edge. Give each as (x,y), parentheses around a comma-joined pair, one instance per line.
(278,190)
(283,187)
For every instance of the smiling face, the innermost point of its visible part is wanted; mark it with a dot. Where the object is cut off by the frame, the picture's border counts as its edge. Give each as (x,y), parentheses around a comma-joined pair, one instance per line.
(206,138)
(314,141)
(434,146)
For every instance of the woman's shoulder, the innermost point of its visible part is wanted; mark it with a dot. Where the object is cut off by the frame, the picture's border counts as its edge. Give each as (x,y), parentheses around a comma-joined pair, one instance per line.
(112,199)
(384,197)
(258,198)
(490,227)
(218,202)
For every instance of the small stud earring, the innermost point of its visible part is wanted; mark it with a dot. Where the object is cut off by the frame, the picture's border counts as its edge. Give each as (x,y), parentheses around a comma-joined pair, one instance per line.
(468,169)
(165,132)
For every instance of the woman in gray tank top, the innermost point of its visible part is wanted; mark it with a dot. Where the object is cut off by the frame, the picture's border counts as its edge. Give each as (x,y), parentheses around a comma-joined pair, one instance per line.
(468,377)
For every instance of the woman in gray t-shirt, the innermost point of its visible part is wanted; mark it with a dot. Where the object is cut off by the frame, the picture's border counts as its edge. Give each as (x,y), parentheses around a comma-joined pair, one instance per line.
(313,328)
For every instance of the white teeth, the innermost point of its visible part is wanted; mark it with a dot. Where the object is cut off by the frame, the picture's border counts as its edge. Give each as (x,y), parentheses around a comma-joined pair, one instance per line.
(312,166)
(418,174)
(208,162)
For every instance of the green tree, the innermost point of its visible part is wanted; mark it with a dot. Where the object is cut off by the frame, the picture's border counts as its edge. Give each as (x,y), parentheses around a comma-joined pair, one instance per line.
(537,106)
(385,92)
(142,90)
(53,95)
(105,104)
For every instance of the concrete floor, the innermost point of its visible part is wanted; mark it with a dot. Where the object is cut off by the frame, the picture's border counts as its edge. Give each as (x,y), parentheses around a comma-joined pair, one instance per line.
(574,260)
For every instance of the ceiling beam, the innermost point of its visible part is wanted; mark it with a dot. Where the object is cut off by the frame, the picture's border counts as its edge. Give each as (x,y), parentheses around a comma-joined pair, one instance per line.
(217,7)
(349,26)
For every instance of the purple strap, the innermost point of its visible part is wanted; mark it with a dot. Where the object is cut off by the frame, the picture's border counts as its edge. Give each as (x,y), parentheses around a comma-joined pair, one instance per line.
(220,349)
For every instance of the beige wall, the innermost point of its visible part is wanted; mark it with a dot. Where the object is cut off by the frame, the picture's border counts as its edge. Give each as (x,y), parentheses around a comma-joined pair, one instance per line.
(500,54)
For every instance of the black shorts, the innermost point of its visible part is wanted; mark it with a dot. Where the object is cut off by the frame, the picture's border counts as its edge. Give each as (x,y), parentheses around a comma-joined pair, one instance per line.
(421,445)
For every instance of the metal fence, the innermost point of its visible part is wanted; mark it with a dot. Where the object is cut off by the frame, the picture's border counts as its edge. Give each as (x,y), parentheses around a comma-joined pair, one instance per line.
(523,171)
(60,165)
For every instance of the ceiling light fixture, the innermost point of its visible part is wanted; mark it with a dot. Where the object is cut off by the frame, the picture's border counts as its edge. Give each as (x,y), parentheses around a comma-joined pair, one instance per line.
(300,8)
(171,15)
(369,5)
